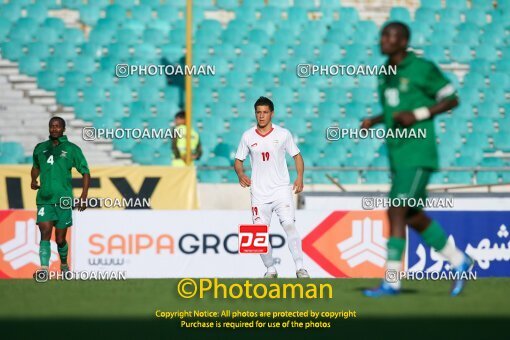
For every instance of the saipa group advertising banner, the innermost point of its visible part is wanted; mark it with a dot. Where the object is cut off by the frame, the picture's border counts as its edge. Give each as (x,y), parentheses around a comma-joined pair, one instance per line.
(160,244)
(165,188)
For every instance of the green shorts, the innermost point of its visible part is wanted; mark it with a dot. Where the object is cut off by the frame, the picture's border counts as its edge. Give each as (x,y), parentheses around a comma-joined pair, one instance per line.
(409,184)
(63,218)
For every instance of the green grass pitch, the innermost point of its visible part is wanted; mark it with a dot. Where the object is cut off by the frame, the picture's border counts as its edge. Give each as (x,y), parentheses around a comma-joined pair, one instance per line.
(24,301)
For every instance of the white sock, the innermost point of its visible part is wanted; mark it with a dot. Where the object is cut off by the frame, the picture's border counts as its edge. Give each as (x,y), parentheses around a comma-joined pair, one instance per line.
(395,266)
(453,254)
(268,260)
(294,242)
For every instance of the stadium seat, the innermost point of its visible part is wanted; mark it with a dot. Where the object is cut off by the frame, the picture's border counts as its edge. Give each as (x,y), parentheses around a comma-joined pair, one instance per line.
(425,15)
(12,50)
(67,96)
(487,177)
(431,4)
(459,177)
(48,80)
(29,65)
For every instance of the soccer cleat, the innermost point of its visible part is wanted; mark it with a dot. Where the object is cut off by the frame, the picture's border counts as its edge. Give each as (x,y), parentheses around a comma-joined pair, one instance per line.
(302,274)
(383,290)
(270,275)
(41,274)
(64,268)
(460,282)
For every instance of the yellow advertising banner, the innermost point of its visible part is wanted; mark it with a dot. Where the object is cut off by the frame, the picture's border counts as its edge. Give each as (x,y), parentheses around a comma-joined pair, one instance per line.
(112,187)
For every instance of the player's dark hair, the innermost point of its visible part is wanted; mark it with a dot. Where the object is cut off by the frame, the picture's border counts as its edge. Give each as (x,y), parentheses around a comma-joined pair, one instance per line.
(264,101)
(400,26)
(60,119)
(181,114)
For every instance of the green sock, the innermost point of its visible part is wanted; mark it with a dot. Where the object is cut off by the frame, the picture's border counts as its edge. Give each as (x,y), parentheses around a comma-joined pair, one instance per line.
(396,248)
(44,253)
(434,236)
(62,251)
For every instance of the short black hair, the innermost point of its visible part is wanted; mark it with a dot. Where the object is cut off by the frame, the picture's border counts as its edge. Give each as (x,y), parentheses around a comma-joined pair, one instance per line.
(264,101)
(181,114)
(60,119)
(403,28)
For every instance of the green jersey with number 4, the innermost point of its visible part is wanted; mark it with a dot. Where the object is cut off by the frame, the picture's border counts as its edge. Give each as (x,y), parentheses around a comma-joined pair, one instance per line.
(55,163)
(417,83)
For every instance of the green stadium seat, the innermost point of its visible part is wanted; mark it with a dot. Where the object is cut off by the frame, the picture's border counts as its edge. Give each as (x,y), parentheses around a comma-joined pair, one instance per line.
(400,14)
(476,16)
(29,65)
(65,50)
(72,4)
(488,109)
(132,123)
(224,150)
(431,4)
(126,36)
(94,95)
(435,53)
(487,177)
(48,80)
(336,95)
(37,11)
(74,36)
(482,5)
(450,16)
(124,144)
(143,153)
(12,50)
(56,23)
(67,96)
(11,152)
(425,15)
(244,65)
(501,79)
(460,53)
(89,14)
(377,177)
(251,50)
(262,79)
(121,93)
(168,13)
(140,109)
(101,36)
(246,13)
(75,79)
(116,12)
(501,141)
(85,110)
(459,177)
(10,11)
(492,162)
(85,64)
(348,14)
(141,13)
(112,109)
(469,38)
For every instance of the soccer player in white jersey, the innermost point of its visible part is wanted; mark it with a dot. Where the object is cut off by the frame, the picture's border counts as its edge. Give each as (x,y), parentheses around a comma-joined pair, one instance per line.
(267,145)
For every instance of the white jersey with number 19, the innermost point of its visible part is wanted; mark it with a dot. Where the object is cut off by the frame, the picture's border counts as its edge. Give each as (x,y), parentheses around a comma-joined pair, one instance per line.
(270,176)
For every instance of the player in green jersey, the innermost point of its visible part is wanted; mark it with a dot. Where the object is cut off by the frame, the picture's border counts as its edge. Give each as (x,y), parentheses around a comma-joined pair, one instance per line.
(53,161)
(410,99)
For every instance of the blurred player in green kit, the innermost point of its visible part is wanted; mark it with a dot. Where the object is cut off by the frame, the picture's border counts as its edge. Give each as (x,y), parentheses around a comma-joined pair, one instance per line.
(410,99)
(53,161)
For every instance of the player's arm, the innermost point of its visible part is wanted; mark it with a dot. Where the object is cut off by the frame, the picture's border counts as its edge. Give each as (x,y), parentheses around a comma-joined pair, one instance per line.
(241,154)
(175,150)
(367,123)
(34,173)
(80,164)
(198,153)
(408,118)
(239,169)
(300,168)
(436,86)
